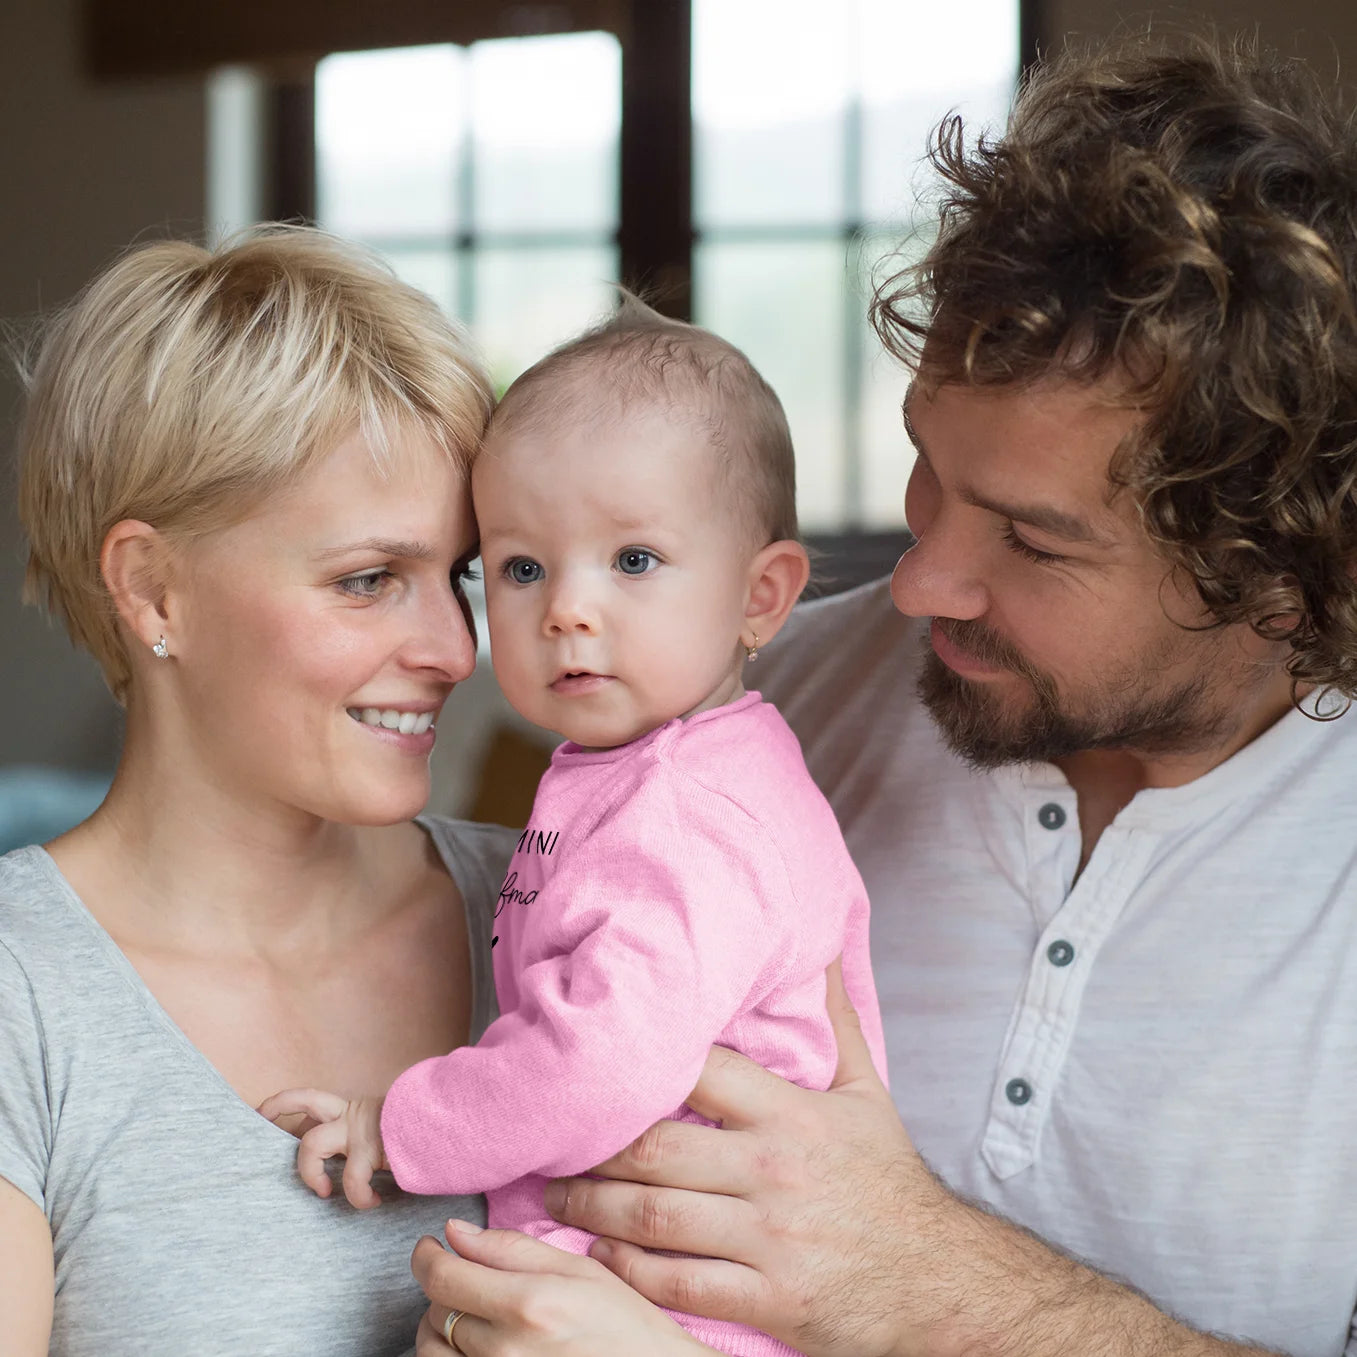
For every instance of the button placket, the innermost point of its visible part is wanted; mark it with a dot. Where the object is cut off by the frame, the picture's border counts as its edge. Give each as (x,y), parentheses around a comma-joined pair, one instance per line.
(1044,1021)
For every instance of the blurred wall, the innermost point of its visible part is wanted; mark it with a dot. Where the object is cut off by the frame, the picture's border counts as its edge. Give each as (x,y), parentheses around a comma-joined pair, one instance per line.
(1324,32)
(84,169)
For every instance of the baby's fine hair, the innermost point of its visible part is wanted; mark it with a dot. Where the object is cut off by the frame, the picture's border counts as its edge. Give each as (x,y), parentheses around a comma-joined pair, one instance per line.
(639,358)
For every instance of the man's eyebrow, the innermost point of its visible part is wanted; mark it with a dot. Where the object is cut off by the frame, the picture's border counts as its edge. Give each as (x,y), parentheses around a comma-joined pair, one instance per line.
(1045,517)
(381,546)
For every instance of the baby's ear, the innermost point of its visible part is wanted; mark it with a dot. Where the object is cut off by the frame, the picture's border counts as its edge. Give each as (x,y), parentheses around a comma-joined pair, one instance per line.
(777,575)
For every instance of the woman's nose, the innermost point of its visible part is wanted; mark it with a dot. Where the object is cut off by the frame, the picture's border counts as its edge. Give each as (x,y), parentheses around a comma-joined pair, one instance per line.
(442,639)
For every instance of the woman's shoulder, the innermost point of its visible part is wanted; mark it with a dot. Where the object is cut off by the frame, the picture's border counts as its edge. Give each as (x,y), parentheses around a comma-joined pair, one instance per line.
(488,845)
(37,914)
(476,855)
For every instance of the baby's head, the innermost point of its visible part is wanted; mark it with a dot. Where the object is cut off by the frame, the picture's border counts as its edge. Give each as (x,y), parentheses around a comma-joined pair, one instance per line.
(637,503)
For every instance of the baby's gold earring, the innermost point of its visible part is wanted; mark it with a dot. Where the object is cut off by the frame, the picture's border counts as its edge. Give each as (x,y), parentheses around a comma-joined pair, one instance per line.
(751,653)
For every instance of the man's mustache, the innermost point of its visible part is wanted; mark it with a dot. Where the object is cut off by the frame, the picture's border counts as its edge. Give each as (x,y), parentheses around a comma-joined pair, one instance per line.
(986,645)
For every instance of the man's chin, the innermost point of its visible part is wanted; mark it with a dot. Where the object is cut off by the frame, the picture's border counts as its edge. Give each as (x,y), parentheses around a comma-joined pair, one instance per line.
(988,728)
(983,724)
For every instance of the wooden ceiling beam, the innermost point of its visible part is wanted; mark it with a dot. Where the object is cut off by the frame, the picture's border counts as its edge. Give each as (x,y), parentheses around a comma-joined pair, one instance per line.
(135,39)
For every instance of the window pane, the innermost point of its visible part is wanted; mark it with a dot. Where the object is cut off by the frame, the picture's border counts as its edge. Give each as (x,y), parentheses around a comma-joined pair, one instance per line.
(771,82)
(917,62)
(783,304)
(530,300)
(435,272)
(547,113)
(389,134)
(886,453)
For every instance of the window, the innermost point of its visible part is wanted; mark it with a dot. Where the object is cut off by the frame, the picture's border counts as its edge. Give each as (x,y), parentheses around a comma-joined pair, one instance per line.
(810,122)
(488,176)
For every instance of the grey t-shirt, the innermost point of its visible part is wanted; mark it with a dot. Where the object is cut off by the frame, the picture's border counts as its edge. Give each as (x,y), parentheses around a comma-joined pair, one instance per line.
(178,1220)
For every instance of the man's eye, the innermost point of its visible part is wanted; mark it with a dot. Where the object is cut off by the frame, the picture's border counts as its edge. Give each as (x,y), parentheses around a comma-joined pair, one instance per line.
(522,571)
(1015,543)
(367,585)
(635,561)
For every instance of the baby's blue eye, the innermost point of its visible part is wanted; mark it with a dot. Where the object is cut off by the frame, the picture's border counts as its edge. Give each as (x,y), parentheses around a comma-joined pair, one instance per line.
(634,561)
(523,571)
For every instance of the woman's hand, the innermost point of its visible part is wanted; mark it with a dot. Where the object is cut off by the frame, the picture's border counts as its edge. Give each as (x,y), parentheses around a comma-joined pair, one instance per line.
(351,1127)
(523,1297)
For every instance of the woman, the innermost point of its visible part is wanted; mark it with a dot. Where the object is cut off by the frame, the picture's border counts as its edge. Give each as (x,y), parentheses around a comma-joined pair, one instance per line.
(244,484)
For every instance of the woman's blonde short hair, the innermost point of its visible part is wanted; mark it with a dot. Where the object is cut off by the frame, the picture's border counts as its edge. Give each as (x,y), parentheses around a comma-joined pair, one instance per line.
(184,385)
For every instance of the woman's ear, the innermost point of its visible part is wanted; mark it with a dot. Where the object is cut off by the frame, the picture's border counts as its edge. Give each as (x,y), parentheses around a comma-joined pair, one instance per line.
(777,575)
(135,564)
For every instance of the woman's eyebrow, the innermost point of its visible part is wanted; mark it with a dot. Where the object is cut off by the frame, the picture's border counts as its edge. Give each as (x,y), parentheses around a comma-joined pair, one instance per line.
(382,546)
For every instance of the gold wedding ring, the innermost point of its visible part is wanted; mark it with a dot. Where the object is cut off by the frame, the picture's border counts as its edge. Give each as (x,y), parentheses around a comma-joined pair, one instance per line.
(449,1324)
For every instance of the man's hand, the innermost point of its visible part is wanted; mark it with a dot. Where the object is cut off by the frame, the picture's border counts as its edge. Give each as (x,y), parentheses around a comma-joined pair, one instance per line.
(334,1126)
(811,1207)
(818,1222)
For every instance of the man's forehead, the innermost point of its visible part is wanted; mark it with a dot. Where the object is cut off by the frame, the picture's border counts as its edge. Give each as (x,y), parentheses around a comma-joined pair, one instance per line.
(1041,453)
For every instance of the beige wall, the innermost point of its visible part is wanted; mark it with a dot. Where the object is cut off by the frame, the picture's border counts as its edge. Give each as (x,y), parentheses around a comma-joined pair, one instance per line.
(1322,31)
(83,171)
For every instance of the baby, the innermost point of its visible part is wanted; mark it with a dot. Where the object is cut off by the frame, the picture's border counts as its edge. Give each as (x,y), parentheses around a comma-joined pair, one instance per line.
(682,882)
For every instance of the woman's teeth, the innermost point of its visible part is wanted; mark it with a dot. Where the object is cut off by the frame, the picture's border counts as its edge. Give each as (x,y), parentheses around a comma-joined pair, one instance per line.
(407,722)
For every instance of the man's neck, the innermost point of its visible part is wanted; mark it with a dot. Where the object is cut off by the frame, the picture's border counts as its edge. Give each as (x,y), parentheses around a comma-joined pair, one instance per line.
(1106,780)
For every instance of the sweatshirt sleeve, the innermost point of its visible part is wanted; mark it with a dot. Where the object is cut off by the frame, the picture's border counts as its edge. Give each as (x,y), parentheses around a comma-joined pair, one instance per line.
(656,931)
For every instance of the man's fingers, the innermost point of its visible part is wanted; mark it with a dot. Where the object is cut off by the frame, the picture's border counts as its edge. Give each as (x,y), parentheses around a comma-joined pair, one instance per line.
(855,1060)
(313,1102)
(655,1217)
(683,1154)
(699,1286)
(736,1092)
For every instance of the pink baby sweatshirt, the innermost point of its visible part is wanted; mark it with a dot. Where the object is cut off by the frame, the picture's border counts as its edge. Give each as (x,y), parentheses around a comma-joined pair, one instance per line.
(682,891)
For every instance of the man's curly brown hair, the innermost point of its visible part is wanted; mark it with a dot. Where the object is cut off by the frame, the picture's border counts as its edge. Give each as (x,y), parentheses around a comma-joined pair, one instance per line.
(1181,217)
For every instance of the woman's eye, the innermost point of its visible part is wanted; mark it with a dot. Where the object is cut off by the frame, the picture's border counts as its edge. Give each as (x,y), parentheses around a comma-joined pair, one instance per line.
(635,561)
(367,585)
(522,570)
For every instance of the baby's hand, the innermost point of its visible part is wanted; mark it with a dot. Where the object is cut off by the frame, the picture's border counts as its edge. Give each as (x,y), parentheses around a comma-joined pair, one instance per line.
(338,1126)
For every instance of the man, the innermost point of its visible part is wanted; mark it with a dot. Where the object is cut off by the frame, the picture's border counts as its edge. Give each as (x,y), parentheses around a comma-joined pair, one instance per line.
(1112,852)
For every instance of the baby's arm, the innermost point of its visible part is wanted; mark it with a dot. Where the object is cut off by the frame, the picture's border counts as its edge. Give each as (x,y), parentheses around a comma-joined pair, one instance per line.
(338,1126)
(646,940)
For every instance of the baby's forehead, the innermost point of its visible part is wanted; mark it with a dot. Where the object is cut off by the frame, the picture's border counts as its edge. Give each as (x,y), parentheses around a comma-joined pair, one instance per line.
(587,419)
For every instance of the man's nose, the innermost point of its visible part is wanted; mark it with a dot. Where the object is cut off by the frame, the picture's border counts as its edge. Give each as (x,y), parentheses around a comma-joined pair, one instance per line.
(938,576)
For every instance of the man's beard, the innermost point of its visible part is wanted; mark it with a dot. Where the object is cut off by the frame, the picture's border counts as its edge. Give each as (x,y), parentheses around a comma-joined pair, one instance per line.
(1124,713)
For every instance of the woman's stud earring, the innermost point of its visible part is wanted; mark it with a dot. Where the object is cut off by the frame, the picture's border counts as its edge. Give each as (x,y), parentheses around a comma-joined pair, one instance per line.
(161,650)
(751,653)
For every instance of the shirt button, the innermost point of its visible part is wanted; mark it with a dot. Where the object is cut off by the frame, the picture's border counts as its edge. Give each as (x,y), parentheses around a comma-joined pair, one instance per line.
(1060,953)
(1051,816)
(1018,1092)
